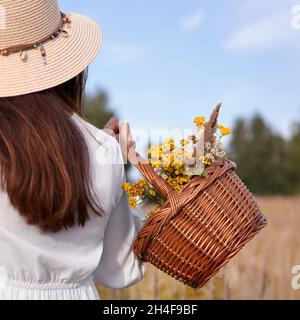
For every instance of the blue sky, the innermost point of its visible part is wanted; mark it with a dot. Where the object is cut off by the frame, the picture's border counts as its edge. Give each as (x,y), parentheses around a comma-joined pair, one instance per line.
(165,61)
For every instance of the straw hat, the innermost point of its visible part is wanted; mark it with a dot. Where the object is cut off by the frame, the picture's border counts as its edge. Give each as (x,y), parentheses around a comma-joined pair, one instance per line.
(41,47)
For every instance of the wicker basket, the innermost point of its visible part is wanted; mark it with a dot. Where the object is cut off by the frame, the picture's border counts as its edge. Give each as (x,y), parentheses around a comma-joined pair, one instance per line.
(200,228)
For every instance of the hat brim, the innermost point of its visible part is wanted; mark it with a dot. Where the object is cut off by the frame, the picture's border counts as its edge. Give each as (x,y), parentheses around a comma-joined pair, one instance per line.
(66,58)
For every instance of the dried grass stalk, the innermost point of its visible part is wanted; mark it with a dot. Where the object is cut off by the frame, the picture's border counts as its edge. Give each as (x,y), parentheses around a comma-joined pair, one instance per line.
(212,125)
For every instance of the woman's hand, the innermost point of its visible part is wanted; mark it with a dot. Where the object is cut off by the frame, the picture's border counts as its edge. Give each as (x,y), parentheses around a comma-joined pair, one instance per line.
(121,132)
(112,127)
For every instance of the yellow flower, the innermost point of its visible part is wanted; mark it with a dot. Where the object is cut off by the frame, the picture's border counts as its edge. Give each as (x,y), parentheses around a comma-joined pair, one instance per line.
(205,160)
(199,121)
(152,192)
(178,182)
(157,164)
(168,144)
(137,189)
(132,202)
(225,131)
(183,142)
(126,186)
(155,152)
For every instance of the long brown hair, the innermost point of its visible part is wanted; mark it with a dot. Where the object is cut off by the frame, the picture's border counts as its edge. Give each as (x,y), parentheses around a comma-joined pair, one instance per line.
(44,160)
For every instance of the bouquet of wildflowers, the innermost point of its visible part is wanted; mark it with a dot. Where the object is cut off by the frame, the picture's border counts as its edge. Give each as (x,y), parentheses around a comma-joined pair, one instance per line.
(178,163)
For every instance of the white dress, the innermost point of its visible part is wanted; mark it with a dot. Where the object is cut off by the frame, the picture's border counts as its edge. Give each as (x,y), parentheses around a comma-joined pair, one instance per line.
(67,264)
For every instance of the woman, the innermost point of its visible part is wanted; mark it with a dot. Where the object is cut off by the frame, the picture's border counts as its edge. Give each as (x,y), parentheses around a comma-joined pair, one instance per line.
(64,220)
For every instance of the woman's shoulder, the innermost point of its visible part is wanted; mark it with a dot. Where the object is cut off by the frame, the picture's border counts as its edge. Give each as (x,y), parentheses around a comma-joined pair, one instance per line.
(107,162)
(97,137)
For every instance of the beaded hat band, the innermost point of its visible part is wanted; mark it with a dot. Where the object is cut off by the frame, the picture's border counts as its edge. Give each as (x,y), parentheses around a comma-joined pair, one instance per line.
(41,47)
(22,49)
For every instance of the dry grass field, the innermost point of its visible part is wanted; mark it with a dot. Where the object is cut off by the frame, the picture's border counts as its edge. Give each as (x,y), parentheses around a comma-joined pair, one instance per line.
(262,270)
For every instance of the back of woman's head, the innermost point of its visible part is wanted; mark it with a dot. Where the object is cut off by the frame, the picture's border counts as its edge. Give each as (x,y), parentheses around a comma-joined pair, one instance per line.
(44,160)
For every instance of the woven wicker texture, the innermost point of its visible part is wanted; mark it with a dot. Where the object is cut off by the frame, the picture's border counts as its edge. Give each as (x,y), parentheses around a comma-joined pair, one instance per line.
(200,228)
(28,21)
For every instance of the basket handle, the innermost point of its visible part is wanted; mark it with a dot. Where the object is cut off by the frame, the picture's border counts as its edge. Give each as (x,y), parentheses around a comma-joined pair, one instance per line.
(155,179)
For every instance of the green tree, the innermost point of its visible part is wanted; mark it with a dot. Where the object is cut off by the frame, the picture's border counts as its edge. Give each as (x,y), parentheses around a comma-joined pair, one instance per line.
(97,109)
(262,156)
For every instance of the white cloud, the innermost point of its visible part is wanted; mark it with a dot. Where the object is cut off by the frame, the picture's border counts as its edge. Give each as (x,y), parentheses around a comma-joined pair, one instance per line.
(122,53)
(192,21)
(263,35)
